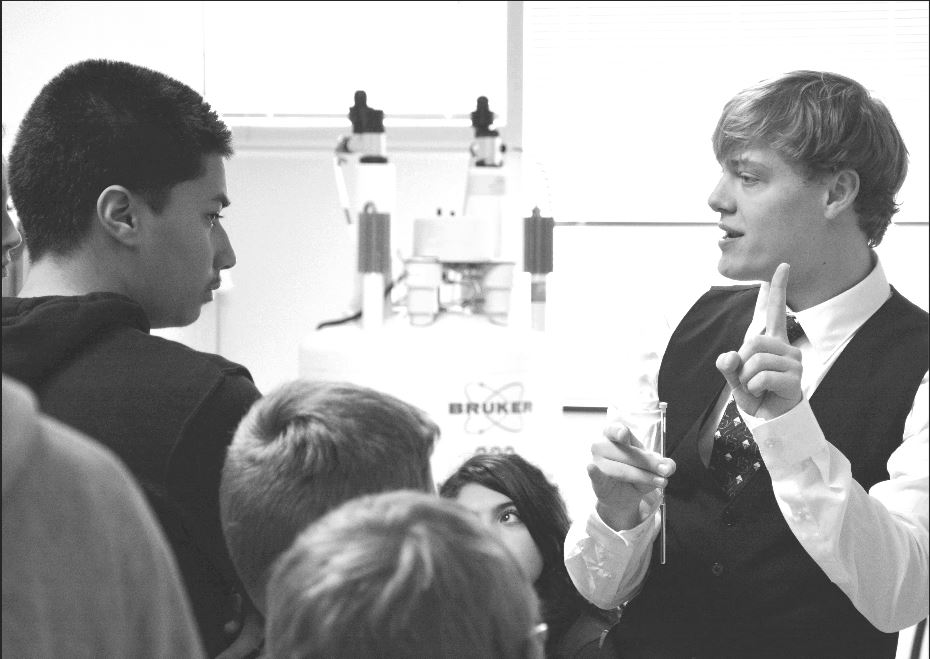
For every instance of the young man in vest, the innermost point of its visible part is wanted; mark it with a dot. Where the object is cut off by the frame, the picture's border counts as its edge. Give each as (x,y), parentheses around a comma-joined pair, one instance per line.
(796,477)
(117,175)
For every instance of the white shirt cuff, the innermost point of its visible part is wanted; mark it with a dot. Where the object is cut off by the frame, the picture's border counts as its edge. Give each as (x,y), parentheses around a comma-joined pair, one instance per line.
(607,537)
(789,439)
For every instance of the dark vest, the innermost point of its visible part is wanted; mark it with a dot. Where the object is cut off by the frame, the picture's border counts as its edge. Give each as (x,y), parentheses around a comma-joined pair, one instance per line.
(737,583)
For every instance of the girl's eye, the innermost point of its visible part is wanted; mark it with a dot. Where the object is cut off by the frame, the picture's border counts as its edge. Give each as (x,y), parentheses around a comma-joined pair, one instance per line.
(510,516)
(748,179)
(213,218)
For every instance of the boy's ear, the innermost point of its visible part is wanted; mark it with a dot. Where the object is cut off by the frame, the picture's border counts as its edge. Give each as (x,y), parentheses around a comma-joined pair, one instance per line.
(842,190)
(118,214)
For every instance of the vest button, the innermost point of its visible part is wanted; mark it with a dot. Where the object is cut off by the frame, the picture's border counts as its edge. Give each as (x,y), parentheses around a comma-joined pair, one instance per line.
(717,569)
(729,518)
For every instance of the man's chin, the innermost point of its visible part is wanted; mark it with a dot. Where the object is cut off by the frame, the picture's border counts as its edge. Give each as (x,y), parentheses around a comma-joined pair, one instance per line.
(735,271)
(188,317)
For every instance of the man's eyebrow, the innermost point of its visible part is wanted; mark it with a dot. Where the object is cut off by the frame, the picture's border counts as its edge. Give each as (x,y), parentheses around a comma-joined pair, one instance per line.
(743,161)
(222,199)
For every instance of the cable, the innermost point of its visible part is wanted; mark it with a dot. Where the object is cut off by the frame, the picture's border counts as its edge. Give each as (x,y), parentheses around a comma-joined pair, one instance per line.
(358,314)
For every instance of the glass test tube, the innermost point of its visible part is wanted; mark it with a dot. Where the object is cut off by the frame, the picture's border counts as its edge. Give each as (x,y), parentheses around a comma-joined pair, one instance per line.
(662,511)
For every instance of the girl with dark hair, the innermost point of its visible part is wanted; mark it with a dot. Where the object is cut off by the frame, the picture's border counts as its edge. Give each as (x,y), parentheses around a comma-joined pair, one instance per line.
(515,500)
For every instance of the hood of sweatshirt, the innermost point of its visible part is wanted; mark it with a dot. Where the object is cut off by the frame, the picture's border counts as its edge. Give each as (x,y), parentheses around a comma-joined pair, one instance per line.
(40,333)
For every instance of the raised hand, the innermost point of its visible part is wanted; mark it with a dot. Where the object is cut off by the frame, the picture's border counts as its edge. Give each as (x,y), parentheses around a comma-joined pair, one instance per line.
(765,374)
(622,472)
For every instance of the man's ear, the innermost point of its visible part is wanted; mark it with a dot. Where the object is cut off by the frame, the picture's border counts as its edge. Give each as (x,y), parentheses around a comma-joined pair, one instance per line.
(842,190)
(117,213)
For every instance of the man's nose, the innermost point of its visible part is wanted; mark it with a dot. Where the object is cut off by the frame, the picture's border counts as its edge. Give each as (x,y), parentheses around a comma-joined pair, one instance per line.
(720,200)
(11,236)
(225,254)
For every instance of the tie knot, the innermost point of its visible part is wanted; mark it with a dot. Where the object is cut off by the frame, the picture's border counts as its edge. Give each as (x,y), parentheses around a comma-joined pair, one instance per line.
(795,331)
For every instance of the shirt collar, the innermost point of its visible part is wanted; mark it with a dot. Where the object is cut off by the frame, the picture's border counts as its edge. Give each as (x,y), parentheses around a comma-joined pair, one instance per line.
(831,323)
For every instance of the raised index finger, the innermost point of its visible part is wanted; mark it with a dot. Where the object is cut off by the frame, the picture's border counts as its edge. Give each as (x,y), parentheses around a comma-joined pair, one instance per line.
(777,304)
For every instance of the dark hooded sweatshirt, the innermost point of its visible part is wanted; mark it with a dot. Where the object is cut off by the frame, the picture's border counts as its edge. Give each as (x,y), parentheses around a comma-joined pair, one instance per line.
(166,410)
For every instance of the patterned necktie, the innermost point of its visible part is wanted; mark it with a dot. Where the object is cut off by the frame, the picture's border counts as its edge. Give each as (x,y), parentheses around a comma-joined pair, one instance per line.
(735,456)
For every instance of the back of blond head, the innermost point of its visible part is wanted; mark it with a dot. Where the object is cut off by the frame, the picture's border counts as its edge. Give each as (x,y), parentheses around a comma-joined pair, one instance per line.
(306,448)
(399,575)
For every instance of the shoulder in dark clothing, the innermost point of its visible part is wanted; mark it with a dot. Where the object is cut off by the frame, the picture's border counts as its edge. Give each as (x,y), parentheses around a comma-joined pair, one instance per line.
(588,637)
(167,411)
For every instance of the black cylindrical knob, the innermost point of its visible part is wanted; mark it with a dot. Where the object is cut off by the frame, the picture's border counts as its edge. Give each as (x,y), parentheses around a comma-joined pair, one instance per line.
(537,243)
(374,240)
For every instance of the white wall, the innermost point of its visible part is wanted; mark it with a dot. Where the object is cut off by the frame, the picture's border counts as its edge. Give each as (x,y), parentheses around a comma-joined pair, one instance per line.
(41,38)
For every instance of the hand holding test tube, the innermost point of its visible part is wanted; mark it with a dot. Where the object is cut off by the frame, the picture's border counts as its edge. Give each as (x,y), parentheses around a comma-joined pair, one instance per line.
(623,471)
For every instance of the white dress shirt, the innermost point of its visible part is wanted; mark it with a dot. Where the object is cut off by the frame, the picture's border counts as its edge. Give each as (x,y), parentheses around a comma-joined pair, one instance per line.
(873,545)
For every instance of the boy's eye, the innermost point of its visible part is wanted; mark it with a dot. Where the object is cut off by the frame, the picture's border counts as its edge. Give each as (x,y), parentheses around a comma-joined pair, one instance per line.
(213,218)
(747,179)
(510,516)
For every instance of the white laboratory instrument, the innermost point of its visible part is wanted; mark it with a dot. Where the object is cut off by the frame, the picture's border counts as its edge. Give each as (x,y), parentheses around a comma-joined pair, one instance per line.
(488,387)
(464,252)
(448,347)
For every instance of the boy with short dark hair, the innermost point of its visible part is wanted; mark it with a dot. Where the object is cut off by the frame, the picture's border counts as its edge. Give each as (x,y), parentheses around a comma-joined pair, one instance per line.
(118,178)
